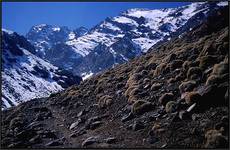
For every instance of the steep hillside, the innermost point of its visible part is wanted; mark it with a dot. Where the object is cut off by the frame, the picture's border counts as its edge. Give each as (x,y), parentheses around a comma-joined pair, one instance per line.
(26,76)
(117,39)
(176,96)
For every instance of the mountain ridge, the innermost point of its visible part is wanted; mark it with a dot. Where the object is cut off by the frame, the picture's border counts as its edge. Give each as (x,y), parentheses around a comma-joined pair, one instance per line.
(144,27)
(26,76)
(174,96)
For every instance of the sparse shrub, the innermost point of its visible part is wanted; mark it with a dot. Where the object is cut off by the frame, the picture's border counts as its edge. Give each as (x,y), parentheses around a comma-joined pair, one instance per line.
(156,86)
(214,139)
(219,74)
(134,78)
(180,76)
(99,89)
(220,68)
(146,80)
(165,98)
(132,93)
(141,106)
(192,97)
(133,87)
(171,57)
(105,101)
(151,65)
(213,79)
(194,73)
(139,69)
(217,79)
(171,107)
(129,89)
(208,49)
(186,65)
(187,86)
(135,91)
(175,64)
(171,80)
(159,69)
(223,48)
(207,61)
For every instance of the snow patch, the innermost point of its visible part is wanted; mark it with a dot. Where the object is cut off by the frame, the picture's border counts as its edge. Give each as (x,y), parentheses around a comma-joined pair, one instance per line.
(7,31)
(86,75)
(125,20)
(56,29)
(222,3)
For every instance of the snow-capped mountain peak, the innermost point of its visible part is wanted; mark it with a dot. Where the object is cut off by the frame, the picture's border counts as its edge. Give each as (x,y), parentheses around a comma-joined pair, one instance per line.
(26,76)
(144,27)
(7,31)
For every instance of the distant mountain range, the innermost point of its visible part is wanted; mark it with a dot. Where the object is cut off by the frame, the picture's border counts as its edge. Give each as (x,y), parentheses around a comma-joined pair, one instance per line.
(26,76)
(115,40)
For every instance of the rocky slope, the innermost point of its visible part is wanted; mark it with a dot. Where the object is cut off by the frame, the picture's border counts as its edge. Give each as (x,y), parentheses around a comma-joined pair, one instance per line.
(116,39)
(26,76)
(175,96)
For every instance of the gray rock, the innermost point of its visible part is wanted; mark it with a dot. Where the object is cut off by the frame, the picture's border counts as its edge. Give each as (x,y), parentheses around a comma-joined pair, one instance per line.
(110,140)
(184,115)
(89,141)
(137,126)
(54,143)
(127,117)
(95,125)
(36,139)
(81,113)
(75,124)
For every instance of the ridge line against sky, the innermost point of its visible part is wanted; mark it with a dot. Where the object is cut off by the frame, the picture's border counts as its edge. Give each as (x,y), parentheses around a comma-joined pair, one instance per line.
(21,16)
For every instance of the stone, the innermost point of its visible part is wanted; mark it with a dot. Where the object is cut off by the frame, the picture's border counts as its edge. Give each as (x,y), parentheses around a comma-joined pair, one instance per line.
(137,125)
(75,124)
(184,115)
(110,140)
(54,143)
(127,117)
(89,141)
(95,125)
(47,134)
(191,108)
(36,139)
(81,113)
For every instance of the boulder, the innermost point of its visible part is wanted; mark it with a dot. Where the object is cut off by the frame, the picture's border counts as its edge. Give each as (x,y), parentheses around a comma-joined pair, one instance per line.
(141,106)
(89,141)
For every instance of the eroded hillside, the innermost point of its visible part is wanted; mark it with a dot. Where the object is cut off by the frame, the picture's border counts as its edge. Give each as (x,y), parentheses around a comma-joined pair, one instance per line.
(176,96)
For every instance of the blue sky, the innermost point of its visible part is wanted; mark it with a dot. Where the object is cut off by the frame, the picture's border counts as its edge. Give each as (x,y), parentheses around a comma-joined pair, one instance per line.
(21,16)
